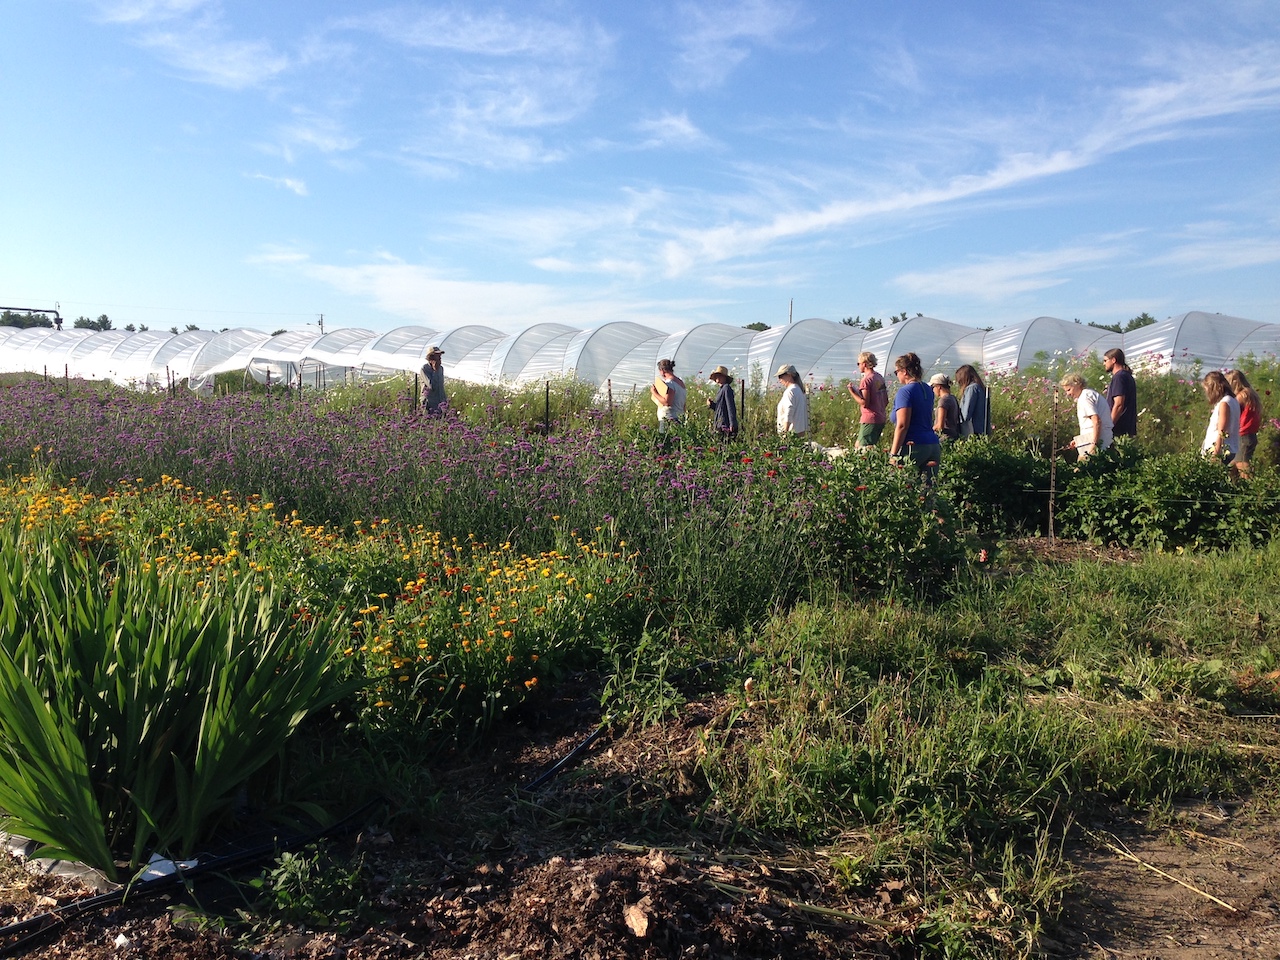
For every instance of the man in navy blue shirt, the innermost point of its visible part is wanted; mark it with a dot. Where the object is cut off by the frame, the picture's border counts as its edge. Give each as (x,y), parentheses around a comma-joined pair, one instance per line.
(1122,394)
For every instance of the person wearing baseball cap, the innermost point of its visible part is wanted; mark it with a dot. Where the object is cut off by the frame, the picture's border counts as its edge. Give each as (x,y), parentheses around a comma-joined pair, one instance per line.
(946,418)
(793,408)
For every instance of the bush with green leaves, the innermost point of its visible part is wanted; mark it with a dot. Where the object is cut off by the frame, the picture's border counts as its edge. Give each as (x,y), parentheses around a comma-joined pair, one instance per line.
(1175,501)
(314,888)
(877,527)
(999,490)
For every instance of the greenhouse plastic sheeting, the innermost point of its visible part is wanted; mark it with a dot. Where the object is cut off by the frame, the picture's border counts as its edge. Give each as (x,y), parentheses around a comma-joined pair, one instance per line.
(622,354)
(1044,338)
(1211,340)
(699,350)
(941,346)
(819,350)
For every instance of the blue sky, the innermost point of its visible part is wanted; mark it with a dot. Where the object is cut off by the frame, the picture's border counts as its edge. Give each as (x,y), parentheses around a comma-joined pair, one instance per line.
(219,163)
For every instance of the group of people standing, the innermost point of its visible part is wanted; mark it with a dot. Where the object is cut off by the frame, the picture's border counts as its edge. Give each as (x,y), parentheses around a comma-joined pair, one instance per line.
(918,432)
(669,395)
(924,417)
(1235,413)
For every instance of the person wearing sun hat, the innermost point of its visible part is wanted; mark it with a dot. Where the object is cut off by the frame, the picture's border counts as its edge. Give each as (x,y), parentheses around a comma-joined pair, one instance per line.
(433,398)
(724,408)
(793,408)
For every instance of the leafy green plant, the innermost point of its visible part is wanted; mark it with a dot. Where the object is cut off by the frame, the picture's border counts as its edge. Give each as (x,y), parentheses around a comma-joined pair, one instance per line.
(640,684)
(313,888)
(1179,500)
(881,527)
(999,490)
(135,709)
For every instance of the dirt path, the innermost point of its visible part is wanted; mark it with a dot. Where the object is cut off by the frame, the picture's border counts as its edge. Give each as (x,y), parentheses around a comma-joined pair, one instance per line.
(1216,895)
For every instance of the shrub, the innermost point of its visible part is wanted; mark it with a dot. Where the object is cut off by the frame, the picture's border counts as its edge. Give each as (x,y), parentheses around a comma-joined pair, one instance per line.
(1173,501)
(879,527)
(999,491)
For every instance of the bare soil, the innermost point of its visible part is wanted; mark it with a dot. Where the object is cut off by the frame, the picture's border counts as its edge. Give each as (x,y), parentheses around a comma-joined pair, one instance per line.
(512,874)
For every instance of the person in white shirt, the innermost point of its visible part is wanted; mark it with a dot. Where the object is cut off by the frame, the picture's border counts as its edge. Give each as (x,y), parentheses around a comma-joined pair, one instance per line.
(1093,415)
(793,408)
(1222,437)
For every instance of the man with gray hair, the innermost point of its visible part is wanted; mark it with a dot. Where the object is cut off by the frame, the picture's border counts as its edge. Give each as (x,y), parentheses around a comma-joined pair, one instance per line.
(1092,414)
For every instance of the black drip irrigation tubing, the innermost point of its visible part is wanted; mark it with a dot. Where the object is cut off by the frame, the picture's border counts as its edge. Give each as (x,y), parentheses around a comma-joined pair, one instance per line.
(38,929)
(564,761)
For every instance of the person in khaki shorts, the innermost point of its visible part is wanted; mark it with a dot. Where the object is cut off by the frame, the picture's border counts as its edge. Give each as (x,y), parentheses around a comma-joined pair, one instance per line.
(872,393)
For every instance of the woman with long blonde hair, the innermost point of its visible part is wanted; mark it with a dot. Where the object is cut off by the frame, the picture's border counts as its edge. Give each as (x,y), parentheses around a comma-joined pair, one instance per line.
(1222,436)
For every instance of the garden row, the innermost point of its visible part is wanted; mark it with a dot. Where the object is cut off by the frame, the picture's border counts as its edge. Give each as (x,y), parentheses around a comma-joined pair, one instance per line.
(189,584)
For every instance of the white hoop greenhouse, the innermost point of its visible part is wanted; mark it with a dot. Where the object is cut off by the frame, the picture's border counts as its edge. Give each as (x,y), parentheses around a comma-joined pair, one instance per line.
(620,354)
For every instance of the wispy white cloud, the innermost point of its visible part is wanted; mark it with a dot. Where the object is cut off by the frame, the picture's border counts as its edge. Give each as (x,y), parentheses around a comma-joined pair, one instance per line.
(493,34)
(1164,109)
(499,83)
(997,278)
(309,131)
(278,256)
(713,39)
(1201,83)
(554,233)
(319,133)
(147,11)
(692,247)
(191,35)
(1222,253)
(288,183)
(671,130)
(422,295)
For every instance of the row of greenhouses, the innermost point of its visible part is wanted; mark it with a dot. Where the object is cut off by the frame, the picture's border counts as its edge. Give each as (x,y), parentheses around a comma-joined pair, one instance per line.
(620,355)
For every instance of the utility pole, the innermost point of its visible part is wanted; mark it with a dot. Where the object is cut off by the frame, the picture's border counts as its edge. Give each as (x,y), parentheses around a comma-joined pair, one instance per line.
(321,323)
(791,308)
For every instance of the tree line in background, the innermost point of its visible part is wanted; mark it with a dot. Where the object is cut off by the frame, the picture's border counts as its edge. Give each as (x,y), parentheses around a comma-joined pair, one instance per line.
(11,318)
(874,323)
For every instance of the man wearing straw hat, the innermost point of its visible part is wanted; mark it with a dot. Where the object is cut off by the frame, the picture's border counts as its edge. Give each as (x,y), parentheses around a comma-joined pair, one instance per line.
(724,408)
